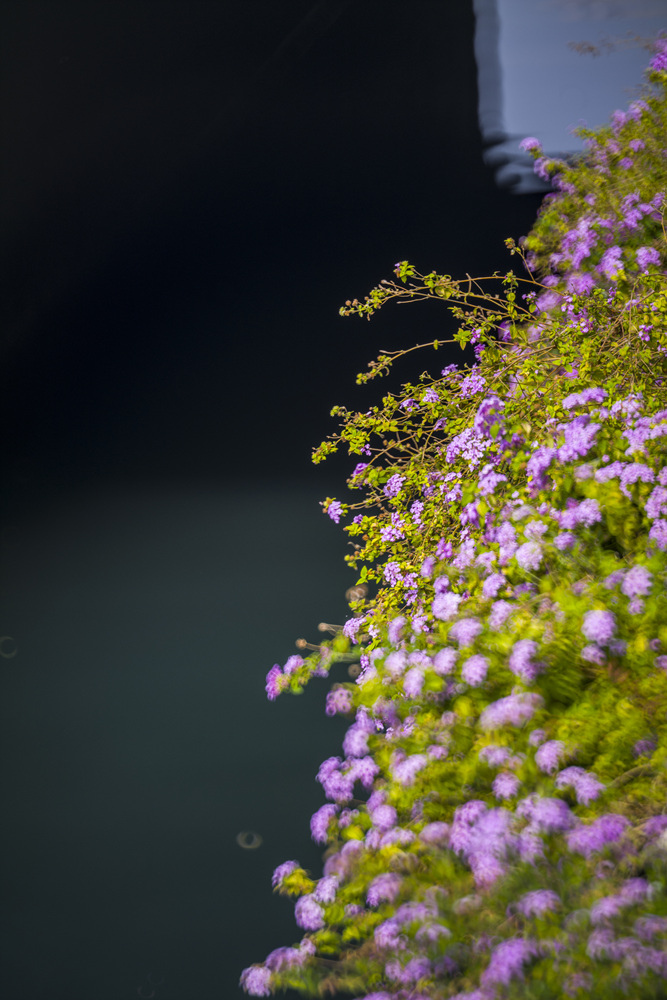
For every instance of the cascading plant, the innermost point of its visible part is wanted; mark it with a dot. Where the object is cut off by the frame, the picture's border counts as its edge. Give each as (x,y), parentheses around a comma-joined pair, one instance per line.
(496,825)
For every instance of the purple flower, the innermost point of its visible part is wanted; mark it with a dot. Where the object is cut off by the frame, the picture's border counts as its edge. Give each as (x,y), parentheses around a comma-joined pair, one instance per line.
(508,960)
(465,631)
(472,384)
(339,701)
(646,256)
(513,710)
(549,755)
(594,837)
(352,626)
(537,903)
(647,927)
(355,742)
(585,783)
(435,833)
(285,958)
(505,785)
(256,981)
(593,654)
(282,871)
(444,660)
(656,504)
(595,394)
(363,769)
(529,555)
(546,815)
(599,626)
(383,817)
(334,510)
(500,611)
(308,913)
(580,436)
(394,485)
(325,890)
(644,748)
(474,670)
(405,771)
(493,584)
(384,888)
(530,143)
(610,263)
(274,682)
(395,663)
(388,935)
(319,823)
(637,582)
(659,61)
(445,606)
(565,540)
(521,662)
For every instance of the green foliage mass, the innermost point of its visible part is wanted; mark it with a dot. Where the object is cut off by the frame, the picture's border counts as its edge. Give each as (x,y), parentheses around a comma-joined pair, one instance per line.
(497,826)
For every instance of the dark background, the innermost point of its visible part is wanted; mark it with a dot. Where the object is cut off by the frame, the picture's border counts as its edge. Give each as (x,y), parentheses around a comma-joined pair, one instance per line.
(189,193)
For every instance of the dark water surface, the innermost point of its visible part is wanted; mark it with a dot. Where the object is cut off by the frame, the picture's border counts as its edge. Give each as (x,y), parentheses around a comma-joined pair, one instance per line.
(137,740)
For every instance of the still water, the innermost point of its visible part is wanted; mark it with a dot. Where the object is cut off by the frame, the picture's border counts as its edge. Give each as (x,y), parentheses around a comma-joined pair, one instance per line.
(137,742)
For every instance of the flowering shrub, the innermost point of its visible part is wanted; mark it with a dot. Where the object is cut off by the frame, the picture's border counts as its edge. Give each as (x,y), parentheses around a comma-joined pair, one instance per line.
(497,823)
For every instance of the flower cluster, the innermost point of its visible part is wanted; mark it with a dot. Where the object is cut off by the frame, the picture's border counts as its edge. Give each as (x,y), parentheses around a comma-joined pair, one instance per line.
(495,823)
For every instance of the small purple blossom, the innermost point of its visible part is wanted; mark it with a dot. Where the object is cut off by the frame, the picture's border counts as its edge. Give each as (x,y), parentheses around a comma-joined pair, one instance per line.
(335,510)
(383,817)
(339,701)
(646,256)
(599,626)
(465,631)
(546,815)
(395,629)
(308,913)
(383,888)
(256,980)
(319,823)
(472,384)
(505,785)
(445,606)
(512,710)
(593,654)
(610,263)
(493,584)
(637,582)
(326,888)
(500,611)
(537,903)
(565,540)
(530,143)
(274,682)
(444,660)
(549,754)
(521,662)
(529,555)
(405,771)
(474,670)
(594,837)
(282,871)
(435,833)
(585,783)
(508,960)
(394,486)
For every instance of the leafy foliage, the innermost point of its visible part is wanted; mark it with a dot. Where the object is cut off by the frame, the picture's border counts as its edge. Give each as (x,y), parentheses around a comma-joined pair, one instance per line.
(496,826)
